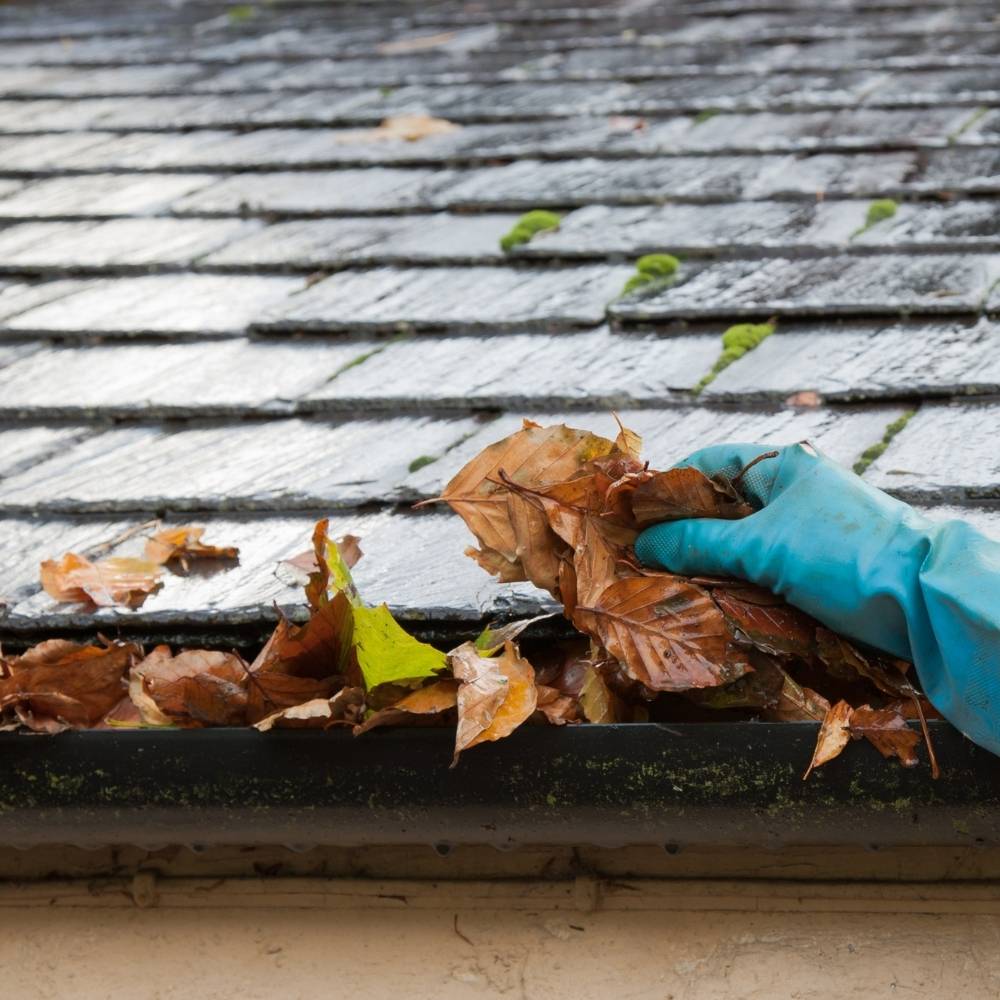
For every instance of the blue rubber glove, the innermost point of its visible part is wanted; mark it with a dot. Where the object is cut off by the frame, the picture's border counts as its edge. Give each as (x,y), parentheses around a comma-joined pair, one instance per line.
(862,563)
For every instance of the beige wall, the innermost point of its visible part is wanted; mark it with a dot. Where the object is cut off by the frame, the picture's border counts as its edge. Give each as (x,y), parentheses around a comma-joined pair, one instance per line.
(144,937)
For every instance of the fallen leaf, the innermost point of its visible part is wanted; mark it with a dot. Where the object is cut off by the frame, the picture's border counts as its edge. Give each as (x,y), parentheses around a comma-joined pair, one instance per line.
(344,708)
(118,581)
(887,731)
(834,734)
(420,43)
(400,128)
(197,687)
(798,704)
(667,632)
(683,493)
(597,701)
(60,684)
(492,639)
(497,695)
(844,660)
(558,709)
(184,544)
(426,704)
(775,628)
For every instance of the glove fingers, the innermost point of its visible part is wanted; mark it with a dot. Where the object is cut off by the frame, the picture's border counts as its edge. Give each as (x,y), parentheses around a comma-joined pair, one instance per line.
(695,547)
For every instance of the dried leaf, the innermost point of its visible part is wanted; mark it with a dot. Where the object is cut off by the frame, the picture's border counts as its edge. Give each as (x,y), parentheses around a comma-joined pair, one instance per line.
(400,128)
(798,704)
(184,544)
(668,633)
(112,582)
(558,709)
(597,702)
(844,660)
(834,734)
(508,524)
(425,705)
(492,639)
(344,708)
(776,628)
(887,731)
(60,684)
(420,43)
(683,493)
(497,695)
(321,648)
(197,687)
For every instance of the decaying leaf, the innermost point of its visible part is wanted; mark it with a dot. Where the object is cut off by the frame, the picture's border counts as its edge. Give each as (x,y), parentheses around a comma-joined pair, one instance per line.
(184,544)
(834,735)
(426,704)
(400,128)
(60,684)
(118,581)
(197,687)
(888,732)
(344,708)
(598,703)
(798,704)
(497,694)
(492,638)
(682,493)
(669,633)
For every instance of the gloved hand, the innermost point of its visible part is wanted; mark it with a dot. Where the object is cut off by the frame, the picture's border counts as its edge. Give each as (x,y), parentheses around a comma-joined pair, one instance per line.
(862,563)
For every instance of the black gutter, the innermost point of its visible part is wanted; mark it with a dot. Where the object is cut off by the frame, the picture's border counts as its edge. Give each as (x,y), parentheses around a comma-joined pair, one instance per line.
(733,784)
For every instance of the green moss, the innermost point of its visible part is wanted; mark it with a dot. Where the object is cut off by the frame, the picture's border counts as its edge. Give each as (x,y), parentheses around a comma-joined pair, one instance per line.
(420,461)
(703,116)
(736,342)
(386,91)
(654,270)
(875,451)
(878,211)
(241,13)
(536,221)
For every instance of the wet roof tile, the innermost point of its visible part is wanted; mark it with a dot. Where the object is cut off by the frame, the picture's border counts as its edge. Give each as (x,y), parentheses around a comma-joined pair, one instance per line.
(226,297)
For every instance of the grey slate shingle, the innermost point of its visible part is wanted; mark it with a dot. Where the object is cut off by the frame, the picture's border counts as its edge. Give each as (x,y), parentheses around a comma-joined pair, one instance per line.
(164,138)
(826,286)
(389,299)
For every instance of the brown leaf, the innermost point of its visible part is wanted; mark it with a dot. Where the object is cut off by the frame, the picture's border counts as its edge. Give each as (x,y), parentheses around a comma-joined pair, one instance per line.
(667,632)
(420,43)
(798,704)
(760,689)
(60,684)
(844,660)
(597,701)
(683,493)
(184,544)
(400,128)
(834,734)
(269,691)
(118,581)
(777,628)
(558,709)
(197,687)
(319,649)
(508,524)
(497,695)
(887,731)
(426,704)
(344,708)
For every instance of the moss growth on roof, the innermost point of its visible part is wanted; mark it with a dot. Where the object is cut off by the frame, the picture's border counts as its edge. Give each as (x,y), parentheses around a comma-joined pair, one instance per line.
(420,461)
(878,211)
(875,451)
(704,115)
(736,342)
(536,221)
(241,12)
(654,270)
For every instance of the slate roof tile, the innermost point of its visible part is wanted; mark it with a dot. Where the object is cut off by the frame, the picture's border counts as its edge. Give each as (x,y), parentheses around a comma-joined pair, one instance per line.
(327,310)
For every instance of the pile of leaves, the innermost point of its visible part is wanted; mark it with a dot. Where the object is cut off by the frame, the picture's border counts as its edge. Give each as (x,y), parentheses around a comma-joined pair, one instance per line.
(555,506)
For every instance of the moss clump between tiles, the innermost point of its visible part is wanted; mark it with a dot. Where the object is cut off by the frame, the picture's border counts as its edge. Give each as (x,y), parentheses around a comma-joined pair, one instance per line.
(875,451)
(530,224)
(420,461)
(654,270)
(736,341)
(878,211)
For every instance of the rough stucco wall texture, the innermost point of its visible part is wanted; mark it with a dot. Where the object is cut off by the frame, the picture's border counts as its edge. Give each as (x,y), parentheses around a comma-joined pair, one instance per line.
(262,954)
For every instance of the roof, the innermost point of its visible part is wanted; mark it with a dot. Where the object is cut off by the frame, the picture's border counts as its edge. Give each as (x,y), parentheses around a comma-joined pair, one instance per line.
(224,300)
